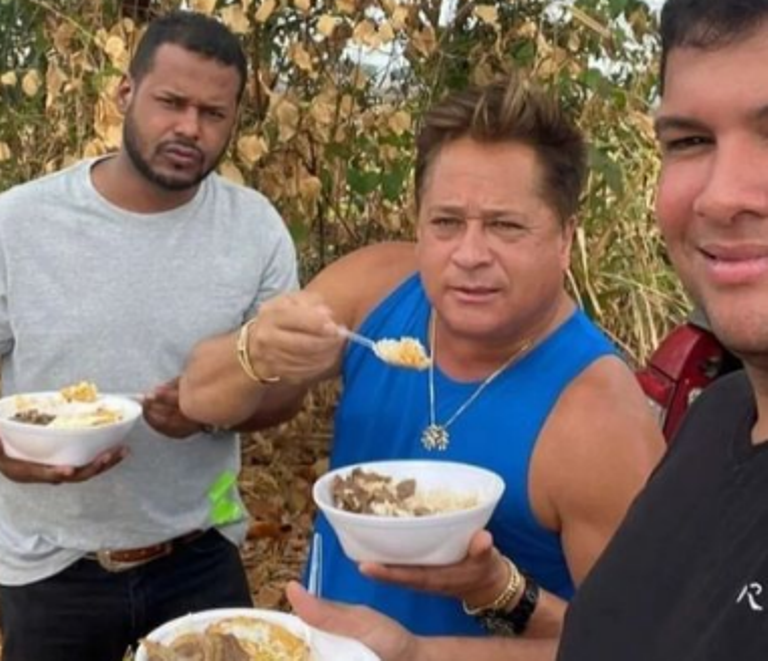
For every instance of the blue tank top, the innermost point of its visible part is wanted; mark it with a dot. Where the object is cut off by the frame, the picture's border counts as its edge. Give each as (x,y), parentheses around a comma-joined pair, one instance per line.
(382,413)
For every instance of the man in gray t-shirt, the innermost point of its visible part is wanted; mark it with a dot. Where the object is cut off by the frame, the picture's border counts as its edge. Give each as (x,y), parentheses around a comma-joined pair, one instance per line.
(111,271)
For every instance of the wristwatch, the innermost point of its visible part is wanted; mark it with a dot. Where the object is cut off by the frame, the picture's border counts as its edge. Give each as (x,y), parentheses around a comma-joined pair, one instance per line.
(514,622)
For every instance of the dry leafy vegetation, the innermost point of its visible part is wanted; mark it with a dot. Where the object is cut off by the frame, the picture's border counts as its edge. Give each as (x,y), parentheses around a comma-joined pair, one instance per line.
(332,103)
(279,469)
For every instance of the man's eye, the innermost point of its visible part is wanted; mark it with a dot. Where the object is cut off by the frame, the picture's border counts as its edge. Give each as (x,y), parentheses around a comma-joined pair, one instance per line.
(684,143)
(170,102)
(446,221)
(504,226)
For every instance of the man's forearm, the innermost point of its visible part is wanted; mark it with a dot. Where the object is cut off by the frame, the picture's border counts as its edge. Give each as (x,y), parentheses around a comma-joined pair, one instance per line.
(279,404)
(215,390)
(495,648)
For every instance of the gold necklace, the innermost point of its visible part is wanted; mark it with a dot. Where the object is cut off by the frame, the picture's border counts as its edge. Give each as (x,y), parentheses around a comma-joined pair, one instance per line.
(436,436)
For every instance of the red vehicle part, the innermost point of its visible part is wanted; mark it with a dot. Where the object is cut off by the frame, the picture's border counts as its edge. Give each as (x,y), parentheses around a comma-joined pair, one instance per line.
(686,361)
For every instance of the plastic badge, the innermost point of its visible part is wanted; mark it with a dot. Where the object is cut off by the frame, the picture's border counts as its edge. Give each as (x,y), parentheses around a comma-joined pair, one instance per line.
(224,506)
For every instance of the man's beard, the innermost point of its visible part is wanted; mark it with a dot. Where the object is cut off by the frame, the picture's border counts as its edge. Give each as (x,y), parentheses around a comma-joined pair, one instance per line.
(145,169)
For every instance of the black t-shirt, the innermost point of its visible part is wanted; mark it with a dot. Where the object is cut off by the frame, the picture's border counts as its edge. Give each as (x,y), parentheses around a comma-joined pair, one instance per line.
(686,576)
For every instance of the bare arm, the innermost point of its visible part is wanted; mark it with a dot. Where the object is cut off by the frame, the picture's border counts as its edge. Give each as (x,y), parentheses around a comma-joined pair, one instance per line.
(391,642)
(593,457)
(294,336)
(216,390)
(494,648)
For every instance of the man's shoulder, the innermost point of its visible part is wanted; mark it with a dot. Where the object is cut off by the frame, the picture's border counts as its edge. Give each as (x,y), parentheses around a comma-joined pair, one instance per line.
(388,253)
(721,407)
(41,197)
(243,210)
(46,183)
(239,193)
(606,384)
(364,277)
(731,389)
(600,417)
(389,261)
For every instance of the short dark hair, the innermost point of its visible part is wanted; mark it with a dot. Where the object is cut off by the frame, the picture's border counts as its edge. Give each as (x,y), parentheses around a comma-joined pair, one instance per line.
(514,110)
(707,24)
(194,32)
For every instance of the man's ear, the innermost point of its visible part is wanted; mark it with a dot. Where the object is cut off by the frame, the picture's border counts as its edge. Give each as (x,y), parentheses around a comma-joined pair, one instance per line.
(125,91)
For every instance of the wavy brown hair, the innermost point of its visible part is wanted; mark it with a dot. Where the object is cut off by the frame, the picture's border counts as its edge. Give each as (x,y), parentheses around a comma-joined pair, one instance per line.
(514,110)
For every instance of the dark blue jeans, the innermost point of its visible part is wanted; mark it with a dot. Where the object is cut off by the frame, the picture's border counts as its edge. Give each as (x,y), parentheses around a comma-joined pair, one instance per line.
(85,613)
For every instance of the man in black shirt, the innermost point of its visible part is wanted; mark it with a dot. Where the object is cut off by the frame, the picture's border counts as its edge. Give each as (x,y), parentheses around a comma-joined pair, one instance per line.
(686,576)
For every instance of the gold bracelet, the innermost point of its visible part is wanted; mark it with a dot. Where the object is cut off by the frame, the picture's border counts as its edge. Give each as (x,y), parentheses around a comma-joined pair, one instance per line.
(244,357)
(510,591)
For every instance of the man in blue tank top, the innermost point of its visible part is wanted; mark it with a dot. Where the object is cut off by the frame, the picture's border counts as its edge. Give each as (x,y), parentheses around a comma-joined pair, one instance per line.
(685,576)
(521,381)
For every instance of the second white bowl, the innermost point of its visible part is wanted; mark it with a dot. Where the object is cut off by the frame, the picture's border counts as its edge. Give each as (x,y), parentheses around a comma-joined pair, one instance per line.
(434,539)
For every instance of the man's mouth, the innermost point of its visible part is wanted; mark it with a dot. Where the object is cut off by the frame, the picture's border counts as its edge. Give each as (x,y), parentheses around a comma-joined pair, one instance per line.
(735,264)
(474,292)
(183,155)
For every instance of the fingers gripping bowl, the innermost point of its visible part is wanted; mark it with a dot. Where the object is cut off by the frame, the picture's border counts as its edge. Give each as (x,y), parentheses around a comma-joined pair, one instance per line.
(69,427)
(439,506)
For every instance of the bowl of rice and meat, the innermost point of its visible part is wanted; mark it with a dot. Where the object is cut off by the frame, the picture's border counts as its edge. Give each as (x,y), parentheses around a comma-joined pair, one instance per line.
(67,427)
(408,512)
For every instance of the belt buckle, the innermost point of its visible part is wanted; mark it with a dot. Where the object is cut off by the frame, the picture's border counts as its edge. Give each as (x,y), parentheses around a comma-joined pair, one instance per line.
(104,558)
(107,562)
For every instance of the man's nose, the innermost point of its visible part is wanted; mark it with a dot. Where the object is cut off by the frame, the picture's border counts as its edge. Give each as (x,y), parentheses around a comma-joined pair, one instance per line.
(188,123)
(736,184)
(473,248)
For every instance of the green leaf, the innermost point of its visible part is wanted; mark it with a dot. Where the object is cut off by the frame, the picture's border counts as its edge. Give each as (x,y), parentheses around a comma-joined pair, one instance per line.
(524,53)
(617,7)
(393,181)
(361,181)
(299,232)
(602,162)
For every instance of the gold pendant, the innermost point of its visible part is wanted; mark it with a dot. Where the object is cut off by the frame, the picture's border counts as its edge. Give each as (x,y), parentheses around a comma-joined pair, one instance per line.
(435,437)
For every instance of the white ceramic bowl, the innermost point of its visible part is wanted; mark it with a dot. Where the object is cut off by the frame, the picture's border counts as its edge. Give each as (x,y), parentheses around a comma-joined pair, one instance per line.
(435,539)
(63,446)
(323,646)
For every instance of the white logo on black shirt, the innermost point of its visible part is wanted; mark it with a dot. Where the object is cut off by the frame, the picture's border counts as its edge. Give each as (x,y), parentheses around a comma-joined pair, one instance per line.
(751,592)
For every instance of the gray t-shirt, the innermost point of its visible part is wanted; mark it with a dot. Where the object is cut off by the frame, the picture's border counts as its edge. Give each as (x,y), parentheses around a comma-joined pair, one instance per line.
(91,292)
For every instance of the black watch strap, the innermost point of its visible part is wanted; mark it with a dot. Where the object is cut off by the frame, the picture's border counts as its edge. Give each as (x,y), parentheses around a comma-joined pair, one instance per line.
(520,615)
(514,622)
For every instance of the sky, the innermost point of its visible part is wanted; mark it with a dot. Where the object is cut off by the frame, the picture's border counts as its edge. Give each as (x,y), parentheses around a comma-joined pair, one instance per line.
(380,59)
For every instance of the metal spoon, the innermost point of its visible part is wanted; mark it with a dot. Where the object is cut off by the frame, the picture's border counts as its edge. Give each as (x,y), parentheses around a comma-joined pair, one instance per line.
(384,349)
